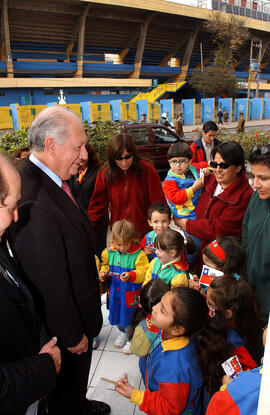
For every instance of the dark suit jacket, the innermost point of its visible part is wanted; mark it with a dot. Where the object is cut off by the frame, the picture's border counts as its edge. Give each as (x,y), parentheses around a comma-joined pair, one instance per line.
(28,380)
(53,241)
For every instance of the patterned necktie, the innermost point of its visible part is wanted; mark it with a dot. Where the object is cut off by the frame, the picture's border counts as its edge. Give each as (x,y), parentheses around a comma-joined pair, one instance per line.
(66,188)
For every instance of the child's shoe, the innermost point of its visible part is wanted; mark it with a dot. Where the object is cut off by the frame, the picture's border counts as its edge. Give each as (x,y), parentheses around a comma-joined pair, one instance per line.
(126,348)
(121,340)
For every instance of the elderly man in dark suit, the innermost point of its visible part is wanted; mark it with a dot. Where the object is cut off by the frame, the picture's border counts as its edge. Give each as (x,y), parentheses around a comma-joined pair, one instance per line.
(24,376)
(53,240)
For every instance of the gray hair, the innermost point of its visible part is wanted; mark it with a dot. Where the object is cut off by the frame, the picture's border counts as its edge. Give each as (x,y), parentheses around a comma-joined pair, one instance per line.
(52,121)
(4,187)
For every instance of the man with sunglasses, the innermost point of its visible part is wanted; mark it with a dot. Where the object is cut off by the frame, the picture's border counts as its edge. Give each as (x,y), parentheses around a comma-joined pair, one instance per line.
(256,228)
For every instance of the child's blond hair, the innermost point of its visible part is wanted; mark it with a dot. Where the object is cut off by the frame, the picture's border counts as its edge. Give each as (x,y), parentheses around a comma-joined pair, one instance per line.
(124,231)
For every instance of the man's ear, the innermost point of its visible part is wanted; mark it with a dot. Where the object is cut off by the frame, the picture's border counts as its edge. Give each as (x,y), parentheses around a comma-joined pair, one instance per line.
(228,314)
(49,146)
(178,331)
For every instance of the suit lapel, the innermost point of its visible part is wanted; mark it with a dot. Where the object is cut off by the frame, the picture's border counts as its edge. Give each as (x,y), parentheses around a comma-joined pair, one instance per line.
(61,199)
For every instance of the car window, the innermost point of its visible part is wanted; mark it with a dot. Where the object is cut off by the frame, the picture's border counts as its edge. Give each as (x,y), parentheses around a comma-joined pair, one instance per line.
(139,135)
(163,136)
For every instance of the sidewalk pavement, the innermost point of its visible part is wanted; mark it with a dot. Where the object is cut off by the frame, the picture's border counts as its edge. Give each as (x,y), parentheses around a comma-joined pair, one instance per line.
(232,125)
(111,363)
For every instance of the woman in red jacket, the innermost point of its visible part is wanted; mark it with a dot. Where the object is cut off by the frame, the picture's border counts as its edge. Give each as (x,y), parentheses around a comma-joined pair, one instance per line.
(128,184)
(224,200)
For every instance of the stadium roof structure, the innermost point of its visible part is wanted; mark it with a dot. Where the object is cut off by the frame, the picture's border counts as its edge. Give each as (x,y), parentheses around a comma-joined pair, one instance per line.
(67,42)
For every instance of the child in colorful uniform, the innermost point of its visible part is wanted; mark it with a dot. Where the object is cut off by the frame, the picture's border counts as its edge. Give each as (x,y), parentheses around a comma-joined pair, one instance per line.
(241,396)
(172,378)
(141,330)
(159,218)
(124,265)
(182,187)
(170,265)
(223,254)
(231,330)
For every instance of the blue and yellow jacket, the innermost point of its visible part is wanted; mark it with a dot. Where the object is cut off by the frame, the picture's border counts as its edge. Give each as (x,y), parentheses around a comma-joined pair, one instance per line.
(174,274)
(179,193)
(240,396)
(172,377)
(123,296)
(149,240)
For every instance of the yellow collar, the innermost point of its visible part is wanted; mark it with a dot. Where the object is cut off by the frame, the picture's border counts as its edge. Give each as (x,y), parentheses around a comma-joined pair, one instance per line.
(175,344)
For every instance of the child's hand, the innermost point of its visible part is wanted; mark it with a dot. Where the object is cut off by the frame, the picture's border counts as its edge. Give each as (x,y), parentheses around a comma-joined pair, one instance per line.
(103,276)
(226,379)
(148,250)
(194,282)
(125,276)
(198,184)
(206,171)
(123,387)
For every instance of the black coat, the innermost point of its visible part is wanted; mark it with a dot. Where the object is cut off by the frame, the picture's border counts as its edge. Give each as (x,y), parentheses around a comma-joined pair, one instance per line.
(24,378)
(53,241)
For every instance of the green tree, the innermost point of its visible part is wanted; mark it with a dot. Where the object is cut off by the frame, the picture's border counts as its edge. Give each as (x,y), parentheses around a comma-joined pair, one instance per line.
(228,35)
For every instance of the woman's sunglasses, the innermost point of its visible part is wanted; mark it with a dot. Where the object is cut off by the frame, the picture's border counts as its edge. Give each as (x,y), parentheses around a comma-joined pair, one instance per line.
(127,157)
(223,166)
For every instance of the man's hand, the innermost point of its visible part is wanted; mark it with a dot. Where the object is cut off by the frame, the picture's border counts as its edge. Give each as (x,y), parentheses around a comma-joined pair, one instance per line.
(125,276)
(123,387)
(54,352)
(81,347)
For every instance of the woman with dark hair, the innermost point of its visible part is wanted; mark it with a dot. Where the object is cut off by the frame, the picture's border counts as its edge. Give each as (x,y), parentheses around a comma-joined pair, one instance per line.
(224,200)
(128,184)
(82,186)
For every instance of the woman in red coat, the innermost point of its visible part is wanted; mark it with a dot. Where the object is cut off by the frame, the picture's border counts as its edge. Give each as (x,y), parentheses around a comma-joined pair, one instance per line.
(224,200)
(128,184)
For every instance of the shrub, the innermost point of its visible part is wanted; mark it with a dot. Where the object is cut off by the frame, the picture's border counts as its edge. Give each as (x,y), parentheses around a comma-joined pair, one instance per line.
(13,139)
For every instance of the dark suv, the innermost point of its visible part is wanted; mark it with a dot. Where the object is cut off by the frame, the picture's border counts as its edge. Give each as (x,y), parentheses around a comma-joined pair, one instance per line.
(153,142)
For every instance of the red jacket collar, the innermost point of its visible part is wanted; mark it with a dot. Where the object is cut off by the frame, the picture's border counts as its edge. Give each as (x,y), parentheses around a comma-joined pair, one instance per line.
(231,194)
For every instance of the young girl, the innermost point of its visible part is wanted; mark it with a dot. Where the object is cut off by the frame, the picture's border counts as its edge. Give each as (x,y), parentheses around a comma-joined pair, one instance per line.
(170,265)
(223,254)
(124,265)
(231,330)
(141,330)
(171,374)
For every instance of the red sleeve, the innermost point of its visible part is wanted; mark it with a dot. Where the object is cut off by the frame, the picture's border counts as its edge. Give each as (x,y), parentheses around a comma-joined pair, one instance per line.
(173,193)
(222,404)
(154,185)
(229,223)
(170,399)
(245,358)
(143,243)
(100,199)
(200,165)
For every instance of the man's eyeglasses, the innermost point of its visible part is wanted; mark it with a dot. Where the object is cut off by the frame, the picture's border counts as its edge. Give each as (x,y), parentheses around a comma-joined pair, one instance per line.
(127,157)
(223,166)
(261,149)
(176,162)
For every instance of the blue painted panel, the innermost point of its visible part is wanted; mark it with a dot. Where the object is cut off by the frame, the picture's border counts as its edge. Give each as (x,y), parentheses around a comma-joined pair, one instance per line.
(85,111)
(107,68)
(115,107)
(266,108)
(34,67)
(50,104)
(14,115)
(141,108)
(166,105)
(188,111)
(225,104)
(240,105)
(255,105)
(207,109)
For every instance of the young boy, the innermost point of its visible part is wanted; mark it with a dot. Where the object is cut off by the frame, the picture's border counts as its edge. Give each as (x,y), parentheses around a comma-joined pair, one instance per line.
(159,218)
(182,186)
